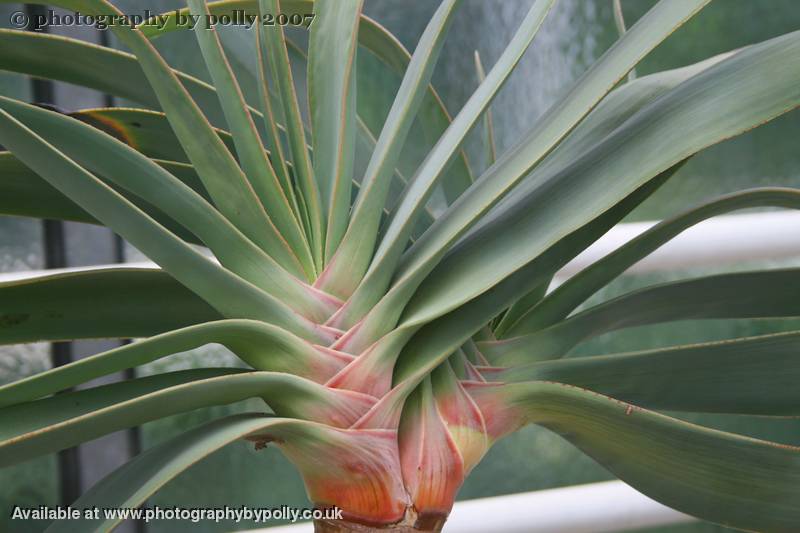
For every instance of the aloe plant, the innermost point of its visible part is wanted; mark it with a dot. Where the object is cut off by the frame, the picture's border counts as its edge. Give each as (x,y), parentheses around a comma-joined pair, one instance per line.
(394,319)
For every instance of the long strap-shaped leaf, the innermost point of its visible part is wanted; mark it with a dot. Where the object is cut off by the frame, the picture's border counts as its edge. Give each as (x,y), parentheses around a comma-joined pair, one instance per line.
(559,120)
(224,180)
(367,139)
(375,39)
(480,311)
(425,346)
(23,193)
(352,258)
(32,54)
(568,296)
(332,102)
(145,130)
(87,305)
(489,145)
(759,294)
(260,345)
(138,174)
(305,443)
(612,112)
(249,148)
(52,424)
(654,27)
(30,416)
(422,184)
(272,138)
(720,477)
(722,101)
(48,56)
(520,308)
(755,375)
(281,74)
(433,343)
(231,295)
(130,485)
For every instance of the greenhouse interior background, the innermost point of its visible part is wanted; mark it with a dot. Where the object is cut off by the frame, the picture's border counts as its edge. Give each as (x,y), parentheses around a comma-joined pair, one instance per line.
(574,35)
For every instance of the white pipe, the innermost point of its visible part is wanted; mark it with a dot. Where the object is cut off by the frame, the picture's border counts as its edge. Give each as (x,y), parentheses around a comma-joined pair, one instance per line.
(30,274)
(594,508)
(719,241)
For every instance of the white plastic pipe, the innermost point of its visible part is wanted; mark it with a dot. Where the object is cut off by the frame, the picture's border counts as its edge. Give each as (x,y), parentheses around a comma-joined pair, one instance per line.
(718,241)
(594,508)
(715,242)
(29,274)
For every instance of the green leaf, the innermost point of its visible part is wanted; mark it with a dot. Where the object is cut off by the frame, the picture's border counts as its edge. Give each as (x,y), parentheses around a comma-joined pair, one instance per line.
(47,56)
(133,171)
(619,21)
(306,444)
(33,51)
(433,118)
(228,293)
(332,101)
(421,185)
(366,141)
(24,193)
(352,258)
(29,417)
(130,485)
(221,176)
(434,341)
(271,137)
(722,101)
(217,168)
(260,345)
(85,305)
(724,478)
(756,375)
(144,130)
(490,149)
(423,347)
(390,52)
(274,41)
(607,116)
(521,307)
(550,129)
(569,295)
(455,327)
(249,148)
(55,423)
(760,294)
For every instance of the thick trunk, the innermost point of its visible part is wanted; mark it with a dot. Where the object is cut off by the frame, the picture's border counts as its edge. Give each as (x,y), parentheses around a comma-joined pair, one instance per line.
(411,524)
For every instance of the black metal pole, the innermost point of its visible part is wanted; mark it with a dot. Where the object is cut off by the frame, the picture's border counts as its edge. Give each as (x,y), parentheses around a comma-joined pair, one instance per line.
(134,434)
(55,256)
